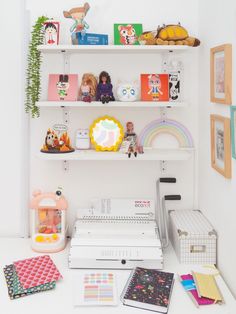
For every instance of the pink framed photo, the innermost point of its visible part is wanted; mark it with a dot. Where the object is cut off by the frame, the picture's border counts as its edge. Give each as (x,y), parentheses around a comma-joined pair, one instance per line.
(51,32)
(62,87)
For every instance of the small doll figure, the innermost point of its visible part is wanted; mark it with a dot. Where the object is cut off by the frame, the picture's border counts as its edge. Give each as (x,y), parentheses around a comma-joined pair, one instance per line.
(88,87)
(62,86)
(154,83)
(78,14)
(104,88)
(131,137)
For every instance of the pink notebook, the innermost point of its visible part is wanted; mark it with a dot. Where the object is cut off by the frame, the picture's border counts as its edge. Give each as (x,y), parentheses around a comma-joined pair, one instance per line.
(36,271)
(189,286)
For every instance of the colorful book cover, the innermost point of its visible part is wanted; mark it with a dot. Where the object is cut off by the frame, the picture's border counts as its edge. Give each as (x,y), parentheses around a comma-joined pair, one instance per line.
(51,32)
(149,287)
(174,86)
(127,34)
(15,290)
(62,87)
(90,39)
(36,271)
(154,87)
(189,285)
(207,287)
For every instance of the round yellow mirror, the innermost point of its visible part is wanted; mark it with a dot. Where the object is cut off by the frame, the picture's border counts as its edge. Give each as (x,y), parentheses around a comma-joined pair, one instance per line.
(106,134)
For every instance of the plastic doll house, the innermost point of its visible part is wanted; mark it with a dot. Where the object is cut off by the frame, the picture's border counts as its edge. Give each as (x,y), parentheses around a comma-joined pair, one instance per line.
(48,221)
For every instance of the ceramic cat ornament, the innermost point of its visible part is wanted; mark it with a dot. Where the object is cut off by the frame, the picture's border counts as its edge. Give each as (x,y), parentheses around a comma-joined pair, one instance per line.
(128,91)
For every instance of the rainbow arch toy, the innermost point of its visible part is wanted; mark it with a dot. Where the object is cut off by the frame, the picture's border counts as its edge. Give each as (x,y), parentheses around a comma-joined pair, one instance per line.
(167,126)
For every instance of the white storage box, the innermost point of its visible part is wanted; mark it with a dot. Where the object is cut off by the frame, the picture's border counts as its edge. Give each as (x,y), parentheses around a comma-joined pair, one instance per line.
(192,236)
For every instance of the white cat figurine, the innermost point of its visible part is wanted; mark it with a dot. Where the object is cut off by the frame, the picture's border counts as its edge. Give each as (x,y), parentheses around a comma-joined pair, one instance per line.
(82,139)
(128,91)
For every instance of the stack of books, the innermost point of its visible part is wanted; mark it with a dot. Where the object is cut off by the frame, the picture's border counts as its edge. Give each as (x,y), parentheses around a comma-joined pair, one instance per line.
(29,276)
(202,288)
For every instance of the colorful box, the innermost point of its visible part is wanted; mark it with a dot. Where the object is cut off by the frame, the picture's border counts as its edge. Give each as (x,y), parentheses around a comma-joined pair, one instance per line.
(89,39)
(154,87)
(127,34)
(62,87)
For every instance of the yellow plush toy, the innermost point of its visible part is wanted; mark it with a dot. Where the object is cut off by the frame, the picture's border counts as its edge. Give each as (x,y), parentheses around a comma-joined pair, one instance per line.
(169,35)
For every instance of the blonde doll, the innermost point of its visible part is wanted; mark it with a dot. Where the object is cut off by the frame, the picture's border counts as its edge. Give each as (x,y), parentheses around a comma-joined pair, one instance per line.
(88,87)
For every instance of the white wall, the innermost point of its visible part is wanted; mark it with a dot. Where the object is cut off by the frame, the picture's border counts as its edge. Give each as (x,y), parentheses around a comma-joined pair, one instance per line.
(12,159)
(217,194)
(114,179)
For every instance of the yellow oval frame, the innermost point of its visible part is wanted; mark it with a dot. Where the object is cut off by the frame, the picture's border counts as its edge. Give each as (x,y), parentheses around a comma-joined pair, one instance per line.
(103,148)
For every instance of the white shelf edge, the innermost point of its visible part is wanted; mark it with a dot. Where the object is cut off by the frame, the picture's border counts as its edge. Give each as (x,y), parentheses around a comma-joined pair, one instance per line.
(112,104)
(112,48)
(149,155)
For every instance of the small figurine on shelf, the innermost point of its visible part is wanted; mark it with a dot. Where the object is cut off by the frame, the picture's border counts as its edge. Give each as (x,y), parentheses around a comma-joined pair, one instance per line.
(104,88)
(131,139)
(56,144)
(78,14)
(128,91)
(82,140)
(88,87)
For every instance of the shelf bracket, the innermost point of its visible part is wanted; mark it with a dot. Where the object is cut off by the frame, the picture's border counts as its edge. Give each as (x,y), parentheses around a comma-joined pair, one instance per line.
(65,165)
(163,164)
(66,62)
(163,114)
(65,113)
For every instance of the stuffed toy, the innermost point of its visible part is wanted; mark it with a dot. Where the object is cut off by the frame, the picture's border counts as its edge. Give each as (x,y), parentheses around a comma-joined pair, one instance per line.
(127,91)
(169,35)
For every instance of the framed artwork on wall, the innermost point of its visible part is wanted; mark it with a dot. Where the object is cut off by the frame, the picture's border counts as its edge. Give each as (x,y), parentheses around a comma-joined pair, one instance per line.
(233,130)
(221,145)
(221,74)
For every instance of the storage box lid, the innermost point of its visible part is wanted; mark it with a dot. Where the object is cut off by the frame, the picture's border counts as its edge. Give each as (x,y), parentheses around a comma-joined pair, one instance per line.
(191,223)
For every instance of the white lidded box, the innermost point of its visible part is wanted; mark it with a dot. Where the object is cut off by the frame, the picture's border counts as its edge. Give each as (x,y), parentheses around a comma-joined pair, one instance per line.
(193,237)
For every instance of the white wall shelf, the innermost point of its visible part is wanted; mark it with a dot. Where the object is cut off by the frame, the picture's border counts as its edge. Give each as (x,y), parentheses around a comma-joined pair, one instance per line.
(113,104)
(149,155)
(112,49)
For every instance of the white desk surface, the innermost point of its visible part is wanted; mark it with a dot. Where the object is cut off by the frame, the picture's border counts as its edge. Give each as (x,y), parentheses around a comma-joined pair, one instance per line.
(59,301)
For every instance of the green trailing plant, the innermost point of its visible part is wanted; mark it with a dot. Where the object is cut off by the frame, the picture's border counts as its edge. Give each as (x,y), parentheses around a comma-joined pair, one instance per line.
(33,84)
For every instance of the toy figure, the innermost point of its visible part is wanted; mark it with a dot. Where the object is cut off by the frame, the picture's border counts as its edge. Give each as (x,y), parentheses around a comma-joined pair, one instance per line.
(78,14)
(154,84)
(173,34)
(128,91)
(127,34)
(62,86)
(55,144)
(131,137)
(104,88)
(88,87)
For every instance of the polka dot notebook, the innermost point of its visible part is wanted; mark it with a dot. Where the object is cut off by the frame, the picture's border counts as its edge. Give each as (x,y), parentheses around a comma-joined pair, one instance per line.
(96,288)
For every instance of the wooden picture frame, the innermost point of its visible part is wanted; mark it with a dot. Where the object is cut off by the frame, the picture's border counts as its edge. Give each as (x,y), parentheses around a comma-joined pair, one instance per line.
(221,74)
(221,145)
(233,130)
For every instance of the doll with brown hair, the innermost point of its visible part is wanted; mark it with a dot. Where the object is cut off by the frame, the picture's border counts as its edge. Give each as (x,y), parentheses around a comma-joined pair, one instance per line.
(104,88)
(88,87)
(131,137)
